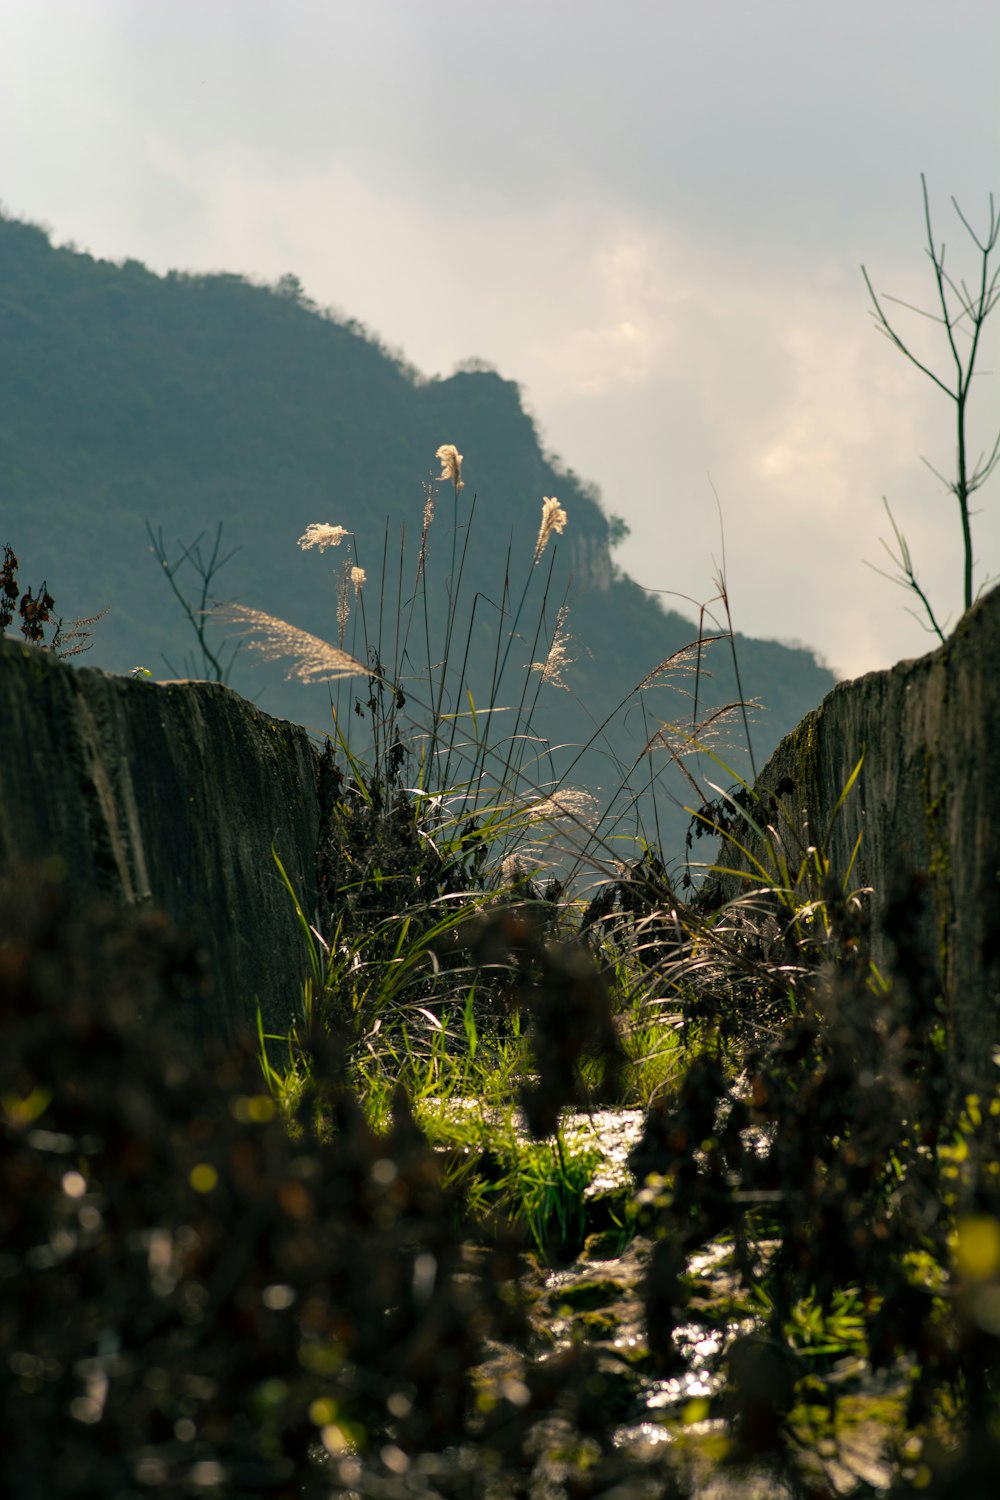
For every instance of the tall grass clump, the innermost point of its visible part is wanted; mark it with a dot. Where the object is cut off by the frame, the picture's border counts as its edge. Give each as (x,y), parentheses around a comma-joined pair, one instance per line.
(480,937)
(815,1129)
(328,1276)
(441,806)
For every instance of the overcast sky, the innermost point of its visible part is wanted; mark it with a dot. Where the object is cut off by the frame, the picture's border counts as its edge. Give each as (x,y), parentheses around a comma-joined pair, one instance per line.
(650,213)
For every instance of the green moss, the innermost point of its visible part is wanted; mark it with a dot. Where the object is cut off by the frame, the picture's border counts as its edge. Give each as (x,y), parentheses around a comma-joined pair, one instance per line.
(804,741)
(719,1311)
(605,1244)
(866,1423)
(701,1444)
(596,1324)
(935,802)
(596,1292)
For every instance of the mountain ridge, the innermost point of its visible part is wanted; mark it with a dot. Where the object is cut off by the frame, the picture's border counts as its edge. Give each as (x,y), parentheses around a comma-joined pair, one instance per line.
(191,400)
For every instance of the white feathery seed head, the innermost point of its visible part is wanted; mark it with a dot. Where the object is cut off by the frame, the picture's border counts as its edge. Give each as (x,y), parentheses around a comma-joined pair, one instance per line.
(451,465)
(558,659)
(320,534)
(313,659)
(553,519)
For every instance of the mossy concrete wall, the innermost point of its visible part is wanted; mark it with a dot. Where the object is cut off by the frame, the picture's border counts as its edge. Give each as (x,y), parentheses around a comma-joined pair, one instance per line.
(927,801)
(173,793)
(170,793)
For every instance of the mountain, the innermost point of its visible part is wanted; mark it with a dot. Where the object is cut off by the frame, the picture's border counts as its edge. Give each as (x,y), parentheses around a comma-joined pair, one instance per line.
(190,401)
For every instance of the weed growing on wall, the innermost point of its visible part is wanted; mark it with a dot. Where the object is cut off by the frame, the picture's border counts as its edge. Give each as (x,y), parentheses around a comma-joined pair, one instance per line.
(35,611)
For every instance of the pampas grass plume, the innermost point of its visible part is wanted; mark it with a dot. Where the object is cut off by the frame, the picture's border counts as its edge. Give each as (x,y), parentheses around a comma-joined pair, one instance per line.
(320,534)
(313,659)
(553,519)
(451,465)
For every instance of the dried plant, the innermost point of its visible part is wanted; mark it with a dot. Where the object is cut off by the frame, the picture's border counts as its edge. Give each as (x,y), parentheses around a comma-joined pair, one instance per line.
(569,803)
(74,639)
(351,574)
(36,611)
(428,518)
(685,739)
(685,660)
(8,587)
(558,659)
(343,602)
(451,466)
(313,659)
(553,519)
(320,534)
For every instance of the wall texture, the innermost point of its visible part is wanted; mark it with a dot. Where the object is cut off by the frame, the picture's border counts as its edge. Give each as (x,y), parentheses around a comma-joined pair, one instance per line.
(926,801)
(173,793)
(170,793)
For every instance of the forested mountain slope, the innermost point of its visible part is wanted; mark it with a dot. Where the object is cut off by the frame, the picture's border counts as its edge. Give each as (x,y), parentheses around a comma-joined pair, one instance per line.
(193,400)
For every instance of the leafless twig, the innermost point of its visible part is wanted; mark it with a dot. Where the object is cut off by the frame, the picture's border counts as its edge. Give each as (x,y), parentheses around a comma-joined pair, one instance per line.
(963,313)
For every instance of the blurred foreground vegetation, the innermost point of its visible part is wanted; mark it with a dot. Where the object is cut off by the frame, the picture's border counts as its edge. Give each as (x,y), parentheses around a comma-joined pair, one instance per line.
(322,1264)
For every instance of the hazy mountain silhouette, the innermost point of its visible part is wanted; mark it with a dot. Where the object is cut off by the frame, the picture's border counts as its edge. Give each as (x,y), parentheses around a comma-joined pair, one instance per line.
(194,400)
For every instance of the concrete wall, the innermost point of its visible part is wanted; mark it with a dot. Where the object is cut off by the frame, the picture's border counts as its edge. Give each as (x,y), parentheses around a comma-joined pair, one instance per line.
(926,801)
(173,793)
(170,793)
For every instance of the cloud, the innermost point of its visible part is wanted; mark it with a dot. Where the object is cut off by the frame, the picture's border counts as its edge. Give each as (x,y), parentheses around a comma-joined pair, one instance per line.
(656,232)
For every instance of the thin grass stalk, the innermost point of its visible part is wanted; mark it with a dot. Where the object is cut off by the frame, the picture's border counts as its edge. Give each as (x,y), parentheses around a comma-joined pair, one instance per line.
(427,762)
(517,613)
(520,717)
(454,591)
(721,584)
(479,760)
(400,645)
(739,682)
(483,749)
(652,778)
(312,949)
(446,777)
(676,656)
(378,727)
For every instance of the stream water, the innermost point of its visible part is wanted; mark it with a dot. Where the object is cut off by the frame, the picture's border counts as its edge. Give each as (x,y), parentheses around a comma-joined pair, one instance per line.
(597,1301)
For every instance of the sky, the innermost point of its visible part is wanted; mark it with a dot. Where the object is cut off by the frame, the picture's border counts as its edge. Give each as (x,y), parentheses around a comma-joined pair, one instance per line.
(651,214)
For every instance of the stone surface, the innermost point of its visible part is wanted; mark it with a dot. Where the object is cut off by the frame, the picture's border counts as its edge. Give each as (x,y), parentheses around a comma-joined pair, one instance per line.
(925,802)
(170,793)
(174,792)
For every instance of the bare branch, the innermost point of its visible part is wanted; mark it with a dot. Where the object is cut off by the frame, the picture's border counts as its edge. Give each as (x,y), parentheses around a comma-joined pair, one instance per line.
(906,576)
(920,312)
(983,471)
(973,308)
(994,231)
(197,615)
(949,484)
(938,263)
(894,337)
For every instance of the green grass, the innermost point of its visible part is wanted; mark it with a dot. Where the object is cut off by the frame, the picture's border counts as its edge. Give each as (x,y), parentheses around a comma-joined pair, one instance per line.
(440,819)
(478,933)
